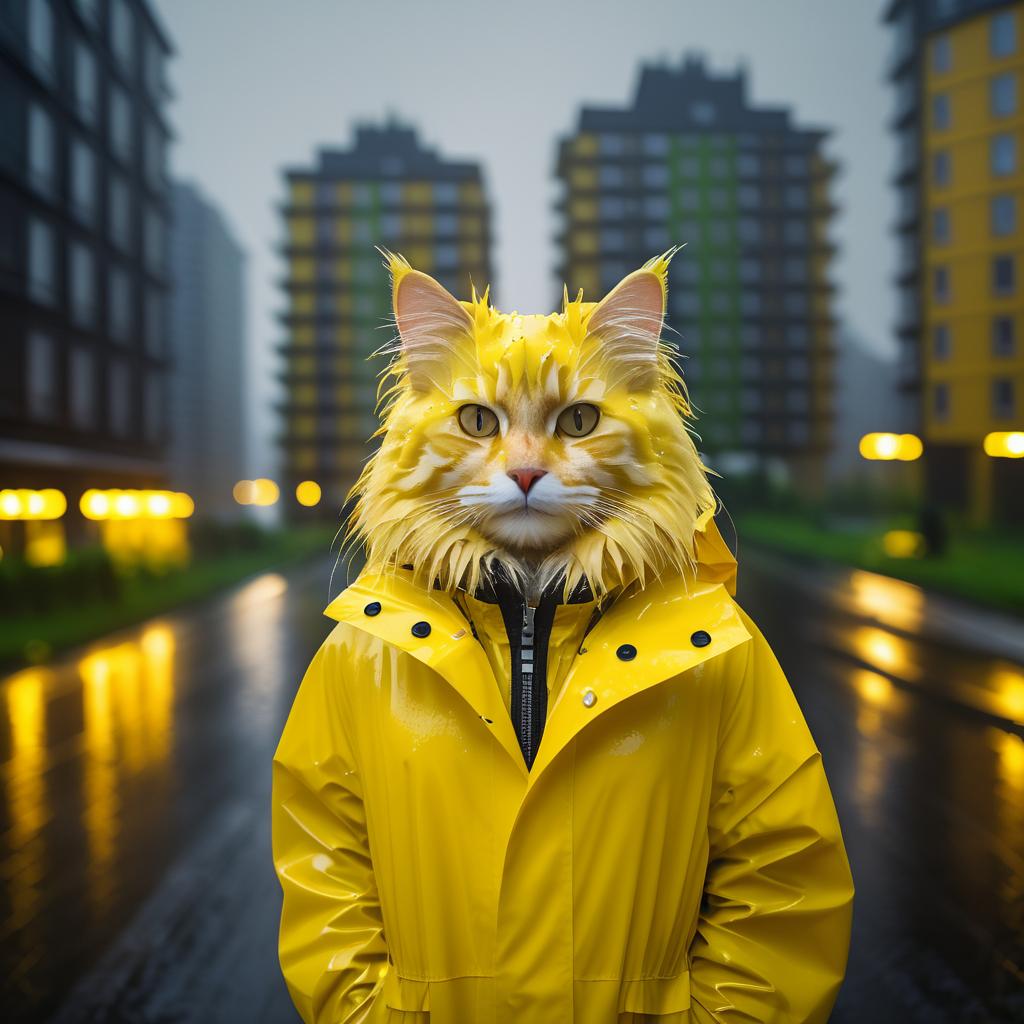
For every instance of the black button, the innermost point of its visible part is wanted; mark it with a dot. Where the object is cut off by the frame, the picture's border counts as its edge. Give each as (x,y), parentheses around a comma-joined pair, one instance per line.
(373,608)
(701,638)
(627,652)
(421,629)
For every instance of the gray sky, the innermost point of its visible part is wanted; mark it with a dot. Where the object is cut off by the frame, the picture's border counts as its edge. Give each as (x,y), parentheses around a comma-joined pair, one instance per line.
(261,84)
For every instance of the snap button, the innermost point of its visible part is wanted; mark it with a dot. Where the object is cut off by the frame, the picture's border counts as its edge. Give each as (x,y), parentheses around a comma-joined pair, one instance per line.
(589,698)
(627,652)
(373,608)
(701,638)
(421,629)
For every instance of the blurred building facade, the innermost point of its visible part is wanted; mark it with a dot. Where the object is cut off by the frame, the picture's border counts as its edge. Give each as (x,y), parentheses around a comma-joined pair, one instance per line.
(693,161)
(386,189)
(957,70)
(84,213)
(208,346)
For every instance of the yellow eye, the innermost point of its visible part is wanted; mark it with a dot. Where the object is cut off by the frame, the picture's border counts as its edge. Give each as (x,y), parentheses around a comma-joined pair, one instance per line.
(578,420)
(478,421)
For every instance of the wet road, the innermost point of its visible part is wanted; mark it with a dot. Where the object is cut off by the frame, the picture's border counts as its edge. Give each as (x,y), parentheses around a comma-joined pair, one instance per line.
(135,875)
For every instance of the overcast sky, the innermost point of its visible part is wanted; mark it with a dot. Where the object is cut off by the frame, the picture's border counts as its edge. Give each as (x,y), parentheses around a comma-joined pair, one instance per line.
(262,84)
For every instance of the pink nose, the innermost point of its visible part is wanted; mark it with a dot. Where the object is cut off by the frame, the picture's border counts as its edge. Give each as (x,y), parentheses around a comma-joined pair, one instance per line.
(526,478)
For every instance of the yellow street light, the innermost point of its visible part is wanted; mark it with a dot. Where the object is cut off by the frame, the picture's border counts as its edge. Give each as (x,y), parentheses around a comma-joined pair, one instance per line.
(265,492)
(308,493)
(243,492)
(1005,444)
(23,503)
(887,447)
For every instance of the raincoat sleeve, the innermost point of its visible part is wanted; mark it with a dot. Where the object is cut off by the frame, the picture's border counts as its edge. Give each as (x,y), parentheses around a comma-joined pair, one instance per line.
(331,944)
(774,929)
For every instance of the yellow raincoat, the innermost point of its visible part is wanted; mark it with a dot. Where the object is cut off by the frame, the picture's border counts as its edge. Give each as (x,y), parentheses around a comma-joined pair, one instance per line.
(673,855)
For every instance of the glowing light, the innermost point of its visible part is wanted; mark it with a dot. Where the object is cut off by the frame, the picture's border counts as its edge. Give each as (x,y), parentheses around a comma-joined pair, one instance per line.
(903,544)
(308,493)
(95,504)
(886,447)
(1008,684)
(131,505)
(26,504)
(45,543)
(873,688)
(1005,444)
(243,492)
(158,505)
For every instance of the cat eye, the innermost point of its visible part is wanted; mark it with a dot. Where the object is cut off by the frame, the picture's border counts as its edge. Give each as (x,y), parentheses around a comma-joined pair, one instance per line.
(478,421)
(578,420)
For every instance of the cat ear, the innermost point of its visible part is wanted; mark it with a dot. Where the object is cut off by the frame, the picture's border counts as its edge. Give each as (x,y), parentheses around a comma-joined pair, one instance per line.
(627,323)
(430,323)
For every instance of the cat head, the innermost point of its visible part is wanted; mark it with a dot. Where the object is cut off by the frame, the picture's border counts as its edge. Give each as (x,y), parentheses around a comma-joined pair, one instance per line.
(548,443)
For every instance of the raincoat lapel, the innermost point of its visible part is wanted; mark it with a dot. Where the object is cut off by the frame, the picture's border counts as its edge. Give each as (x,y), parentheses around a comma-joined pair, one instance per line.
(449,648)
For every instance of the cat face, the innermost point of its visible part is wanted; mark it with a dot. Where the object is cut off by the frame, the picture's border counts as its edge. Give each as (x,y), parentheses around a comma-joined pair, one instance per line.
(548,442)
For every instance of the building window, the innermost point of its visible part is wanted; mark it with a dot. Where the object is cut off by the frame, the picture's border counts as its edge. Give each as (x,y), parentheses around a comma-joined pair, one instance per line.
(121,34)
(445,193)
(83,182)
(41,377)
(1003,155)
(119,400)
(154,323)
(83,285)
(1004,341)
(941,168)
(749,196)
(702,112)
(718,199)
(688,198)
(82,389)
(1003,215)
(940,284)
(154,155)
(120,225)
(656,238)
(154,66)
(942,55)
(940,226)
(85,83)
(940,112)
(119,302)
(1003,275)
(41,164)
(689,167)
(42,269)
(749,230)
(40,37)
(748,165)
(611,176)
(797,165)
(655,145)
(1003,95)
(940,402)
(794,232)
(654,175)
(796,197)
(154,410)
(156,246)
(942,345)
(1003,404)
(1002,34)
(611,145)
(120,123)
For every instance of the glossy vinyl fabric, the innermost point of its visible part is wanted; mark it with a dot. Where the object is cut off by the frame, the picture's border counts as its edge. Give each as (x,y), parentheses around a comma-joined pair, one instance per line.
(673,855)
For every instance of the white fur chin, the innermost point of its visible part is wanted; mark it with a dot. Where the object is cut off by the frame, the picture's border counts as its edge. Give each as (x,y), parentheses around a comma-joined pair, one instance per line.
(527,530)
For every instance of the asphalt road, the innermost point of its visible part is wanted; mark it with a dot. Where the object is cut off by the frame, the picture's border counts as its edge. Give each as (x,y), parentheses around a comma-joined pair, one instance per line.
(135,876)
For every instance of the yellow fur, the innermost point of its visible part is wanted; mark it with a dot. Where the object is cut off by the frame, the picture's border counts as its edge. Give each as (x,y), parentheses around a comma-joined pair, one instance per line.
(405,510)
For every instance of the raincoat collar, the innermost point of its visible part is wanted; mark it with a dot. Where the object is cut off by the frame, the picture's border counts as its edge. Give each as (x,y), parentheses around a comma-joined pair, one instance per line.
(644,638)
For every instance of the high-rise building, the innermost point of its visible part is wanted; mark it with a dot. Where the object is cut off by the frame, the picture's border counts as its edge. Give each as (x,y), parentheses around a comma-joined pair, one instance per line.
(84,214)
(692,161)
(387,189)
(957,68)
(208,347)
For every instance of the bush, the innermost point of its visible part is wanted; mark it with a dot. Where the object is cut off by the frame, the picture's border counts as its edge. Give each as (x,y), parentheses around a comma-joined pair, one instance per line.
(87,575)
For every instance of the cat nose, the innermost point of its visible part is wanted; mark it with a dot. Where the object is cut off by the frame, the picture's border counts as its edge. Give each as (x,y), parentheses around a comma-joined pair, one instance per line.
(526,478)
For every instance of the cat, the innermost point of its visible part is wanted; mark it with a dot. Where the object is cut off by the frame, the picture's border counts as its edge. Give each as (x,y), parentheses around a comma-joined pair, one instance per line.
(553,445)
